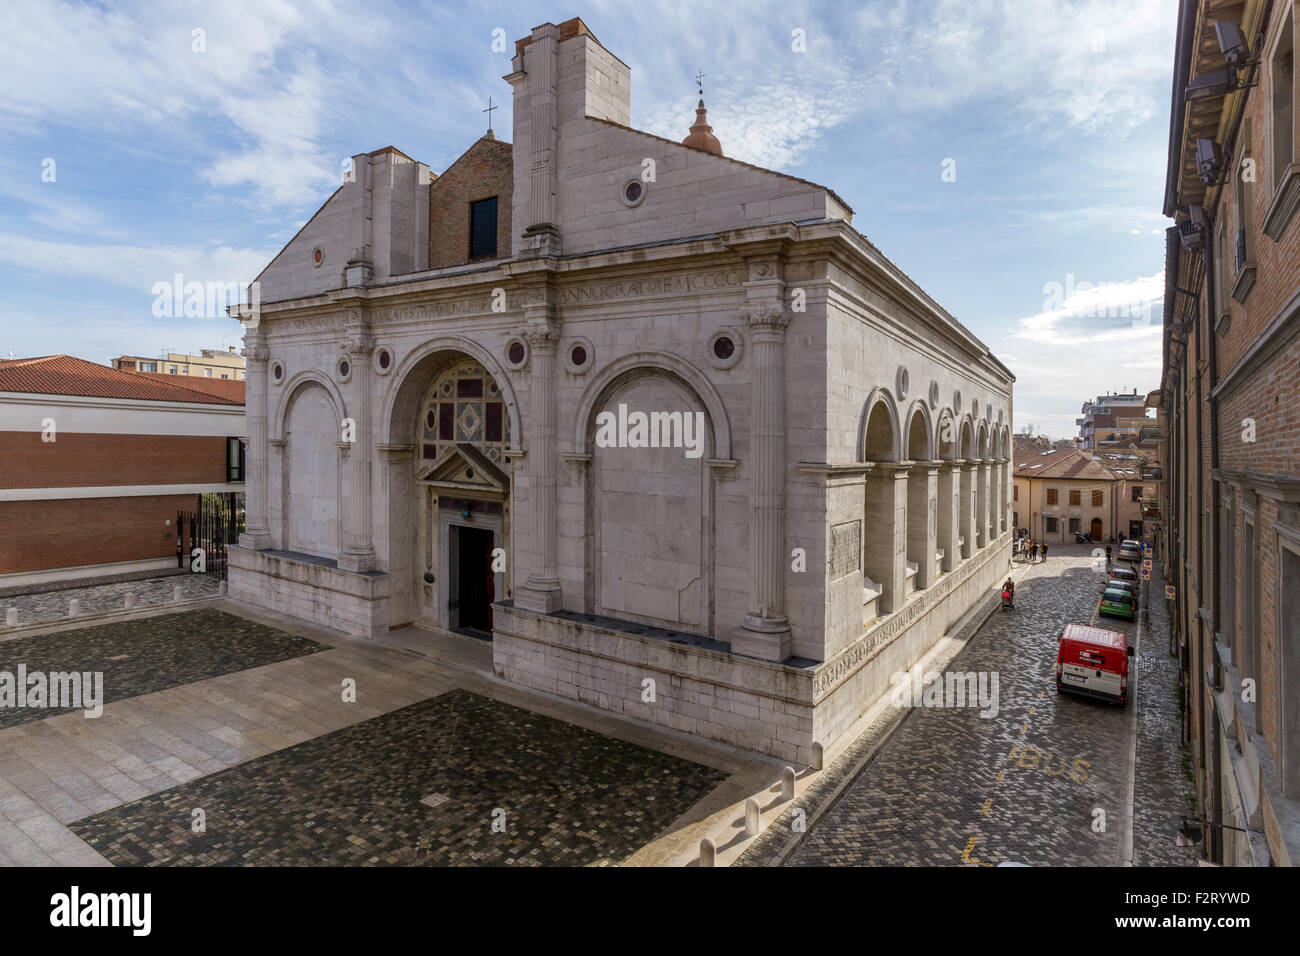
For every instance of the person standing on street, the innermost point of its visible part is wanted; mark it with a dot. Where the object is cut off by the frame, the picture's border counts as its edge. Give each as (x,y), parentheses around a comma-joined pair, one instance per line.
(1044,552)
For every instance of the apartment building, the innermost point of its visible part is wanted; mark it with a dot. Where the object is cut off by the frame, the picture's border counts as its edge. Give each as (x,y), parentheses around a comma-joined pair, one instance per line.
(208,363)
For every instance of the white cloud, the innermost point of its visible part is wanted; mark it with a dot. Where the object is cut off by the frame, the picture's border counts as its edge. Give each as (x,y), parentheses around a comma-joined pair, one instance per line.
(132,267)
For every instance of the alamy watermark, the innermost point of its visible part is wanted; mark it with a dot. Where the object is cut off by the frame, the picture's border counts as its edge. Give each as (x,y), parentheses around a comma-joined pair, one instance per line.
(651,430)
(64,690)
(978,689)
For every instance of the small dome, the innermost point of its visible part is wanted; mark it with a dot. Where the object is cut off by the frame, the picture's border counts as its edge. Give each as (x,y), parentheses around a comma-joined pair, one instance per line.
(701,136)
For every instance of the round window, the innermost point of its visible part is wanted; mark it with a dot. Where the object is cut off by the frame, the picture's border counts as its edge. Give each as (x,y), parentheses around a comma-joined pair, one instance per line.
(277,371)
(633,191)
(578,356)
(385,358)
(344,368)
(317,255)
(723,347)
(515,353)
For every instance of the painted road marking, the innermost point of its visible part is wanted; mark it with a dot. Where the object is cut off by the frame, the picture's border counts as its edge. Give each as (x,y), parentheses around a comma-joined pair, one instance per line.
(988,802)
(970,845)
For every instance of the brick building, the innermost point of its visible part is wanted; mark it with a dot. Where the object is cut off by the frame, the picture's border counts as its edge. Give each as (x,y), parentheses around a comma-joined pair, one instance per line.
(1230,396)
(95,463)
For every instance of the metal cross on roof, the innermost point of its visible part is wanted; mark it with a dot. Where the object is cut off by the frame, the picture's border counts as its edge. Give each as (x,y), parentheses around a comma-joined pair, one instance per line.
(488,111)
(699,79)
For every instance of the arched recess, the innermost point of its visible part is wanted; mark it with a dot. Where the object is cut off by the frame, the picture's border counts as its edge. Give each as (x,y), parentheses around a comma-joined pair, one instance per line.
(688,374)
(306,470)
(920,434)
(649,508)
(946,437)
(400,532)
(922,487)
(982,441)
(879,432)
(290,393)
(967,439)
(411,379)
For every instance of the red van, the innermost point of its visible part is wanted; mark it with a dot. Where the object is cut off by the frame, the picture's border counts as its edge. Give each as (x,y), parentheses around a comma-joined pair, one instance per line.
(1093,661)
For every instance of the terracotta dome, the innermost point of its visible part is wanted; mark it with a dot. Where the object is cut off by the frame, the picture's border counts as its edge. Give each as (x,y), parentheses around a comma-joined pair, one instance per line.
(701,136)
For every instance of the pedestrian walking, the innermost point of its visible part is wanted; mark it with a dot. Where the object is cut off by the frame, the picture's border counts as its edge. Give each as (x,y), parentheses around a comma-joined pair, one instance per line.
(1108,552)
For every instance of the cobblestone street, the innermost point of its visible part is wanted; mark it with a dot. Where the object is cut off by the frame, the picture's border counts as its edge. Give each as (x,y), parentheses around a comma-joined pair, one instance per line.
(1044,782)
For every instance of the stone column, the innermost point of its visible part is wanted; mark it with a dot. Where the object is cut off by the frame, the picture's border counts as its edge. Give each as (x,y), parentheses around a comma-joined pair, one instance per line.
(922,518)
(885,533)
(541,592)
(1006,493)
(982,504)
(358,551)
(967,508)
(949,504)
(765,631)
(257,533)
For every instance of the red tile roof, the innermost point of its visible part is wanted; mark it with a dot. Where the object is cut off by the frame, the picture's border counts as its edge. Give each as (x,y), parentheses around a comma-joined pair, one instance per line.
(66,375)
(1067,463)
(220,387)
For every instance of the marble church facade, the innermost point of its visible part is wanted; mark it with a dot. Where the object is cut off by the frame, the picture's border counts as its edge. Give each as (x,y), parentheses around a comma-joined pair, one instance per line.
(424,403)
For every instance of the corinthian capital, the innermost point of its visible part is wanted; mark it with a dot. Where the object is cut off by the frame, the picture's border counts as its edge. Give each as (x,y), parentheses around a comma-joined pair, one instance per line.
(542,335)
(766,316)
(358,345)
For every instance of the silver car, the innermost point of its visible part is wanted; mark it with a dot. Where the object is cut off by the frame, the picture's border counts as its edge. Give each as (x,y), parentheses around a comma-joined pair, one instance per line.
(1129,551)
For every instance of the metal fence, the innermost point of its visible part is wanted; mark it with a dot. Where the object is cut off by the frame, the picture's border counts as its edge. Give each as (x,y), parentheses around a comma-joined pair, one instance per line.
(203,536)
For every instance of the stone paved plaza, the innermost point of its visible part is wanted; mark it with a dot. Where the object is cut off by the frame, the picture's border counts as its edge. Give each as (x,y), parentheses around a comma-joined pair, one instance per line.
(141,656)
(556,794)
(952,788)
(53,605)
(223,709)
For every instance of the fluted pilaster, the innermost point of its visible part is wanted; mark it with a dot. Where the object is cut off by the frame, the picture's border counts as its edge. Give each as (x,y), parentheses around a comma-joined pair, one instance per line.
(541,591)
(765,631)
(258,532)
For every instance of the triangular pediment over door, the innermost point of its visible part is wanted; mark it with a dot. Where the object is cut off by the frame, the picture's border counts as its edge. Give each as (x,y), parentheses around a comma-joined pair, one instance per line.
(463,467)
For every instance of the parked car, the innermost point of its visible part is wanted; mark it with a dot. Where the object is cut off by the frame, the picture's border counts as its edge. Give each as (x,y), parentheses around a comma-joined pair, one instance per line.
(1129,551)
(1117,602)
(1120,584)
(1123,574)
(1093,661)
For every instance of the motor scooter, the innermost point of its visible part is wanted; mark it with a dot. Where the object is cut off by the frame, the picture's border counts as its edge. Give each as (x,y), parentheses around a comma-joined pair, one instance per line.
(1082,537)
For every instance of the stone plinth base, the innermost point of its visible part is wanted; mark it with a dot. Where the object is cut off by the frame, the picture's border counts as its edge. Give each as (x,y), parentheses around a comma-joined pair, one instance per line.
(703,687)
(311,588)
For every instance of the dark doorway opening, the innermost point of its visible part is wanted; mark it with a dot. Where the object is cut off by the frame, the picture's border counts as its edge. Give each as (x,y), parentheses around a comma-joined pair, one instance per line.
(1094,529)
(472,586)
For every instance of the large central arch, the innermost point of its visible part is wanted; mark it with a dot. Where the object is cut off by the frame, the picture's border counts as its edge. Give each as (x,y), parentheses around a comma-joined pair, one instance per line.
(407,533)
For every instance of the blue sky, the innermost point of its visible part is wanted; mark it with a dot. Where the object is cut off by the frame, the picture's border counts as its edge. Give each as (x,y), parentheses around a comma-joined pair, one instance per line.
(166,160)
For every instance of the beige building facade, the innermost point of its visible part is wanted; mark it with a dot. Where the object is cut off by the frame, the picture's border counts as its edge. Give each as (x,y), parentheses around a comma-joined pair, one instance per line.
(207,363)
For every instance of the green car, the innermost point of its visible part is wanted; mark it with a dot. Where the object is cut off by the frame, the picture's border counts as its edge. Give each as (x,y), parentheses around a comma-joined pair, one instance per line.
(1118,603)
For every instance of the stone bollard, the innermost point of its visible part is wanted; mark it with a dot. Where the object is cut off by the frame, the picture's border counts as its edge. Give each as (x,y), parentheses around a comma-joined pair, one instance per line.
(787,783)
(11,617)
(817,756)
(707,852)
(74,607)
(177,595)
(751,817)
(130,600)
(221,588)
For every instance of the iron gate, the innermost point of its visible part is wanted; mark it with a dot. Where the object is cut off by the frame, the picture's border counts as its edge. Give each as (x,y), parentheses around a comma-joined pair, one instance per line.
(212,528)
